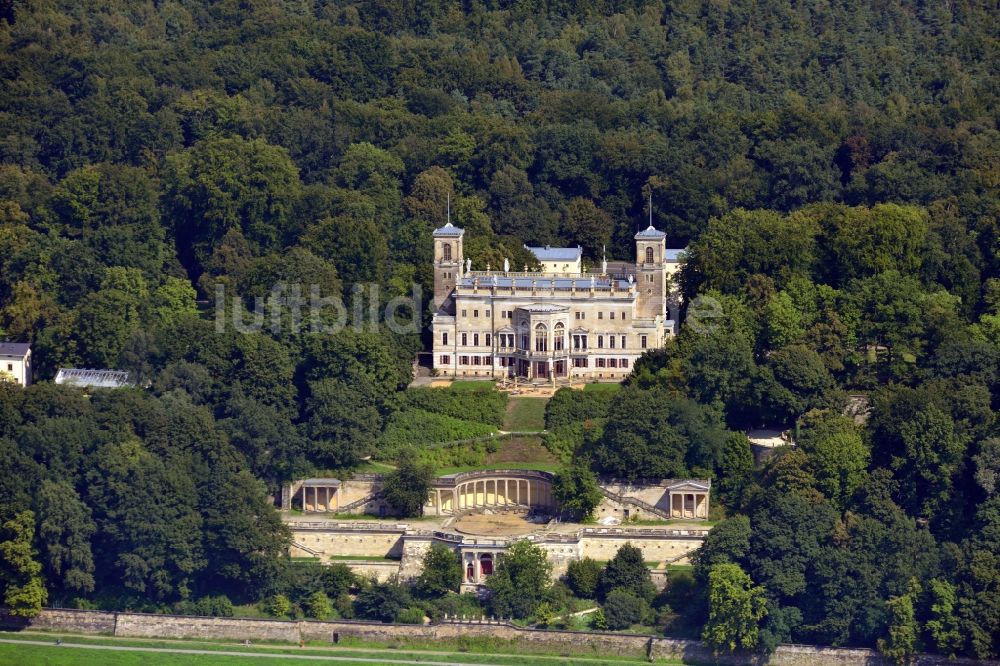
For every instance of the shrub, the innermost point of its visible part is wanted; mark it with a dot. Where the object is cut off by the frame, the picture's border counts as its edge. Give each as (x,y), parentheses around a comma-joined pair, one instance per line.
(623,609)
(582,577)
(545,614)
(217,606)
(318,606)
(598,621)
(344,606)
(338,579)
(382,601)
(277,605)
(457,605)
(411,615)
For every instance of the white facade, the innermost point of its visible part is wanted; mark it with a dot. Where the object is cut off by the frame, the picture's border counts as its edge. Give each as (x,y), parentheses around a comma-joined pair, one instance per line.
(550,325)
(15,362)
(559,260)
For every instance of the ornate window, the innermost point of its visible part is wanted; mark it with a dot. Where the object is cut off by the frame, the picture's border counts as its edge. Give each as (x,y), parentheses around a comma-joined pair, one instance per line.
(541,338)
(649,255)
(446,251)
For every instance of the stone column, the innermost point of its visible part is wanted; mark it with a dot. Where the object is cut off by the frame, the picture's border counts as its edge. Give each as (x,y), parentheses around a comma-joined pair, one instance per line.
(527,488)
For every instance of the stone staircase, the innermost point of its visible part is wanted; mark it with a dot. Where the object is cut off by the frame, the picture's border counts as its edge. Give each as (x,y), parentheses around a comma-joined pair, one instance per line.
(347,508)
(631,501)
(314,553)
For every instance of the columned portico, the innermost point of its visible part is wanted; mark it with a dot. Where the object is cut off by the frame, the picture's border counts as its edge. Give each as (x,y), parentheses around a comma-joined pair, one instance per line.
(319,495)
(510,489)
(688,500)
(478,565)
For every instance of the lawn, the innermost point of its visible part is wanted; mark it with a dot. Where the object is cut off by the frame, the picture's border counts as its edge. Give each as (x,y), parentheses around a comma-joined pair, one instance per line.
(81,651)
(525,414)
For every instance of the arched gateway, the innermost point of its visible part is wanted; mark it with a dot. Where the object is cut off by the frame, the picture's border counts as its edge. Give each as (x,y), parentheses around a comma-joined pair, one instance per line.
(490,489)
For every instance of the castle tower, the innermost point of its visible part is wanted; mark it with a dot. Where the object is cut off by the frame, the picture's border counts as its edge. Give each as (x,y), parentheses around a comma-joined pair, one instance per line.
(448,258)
(651,272)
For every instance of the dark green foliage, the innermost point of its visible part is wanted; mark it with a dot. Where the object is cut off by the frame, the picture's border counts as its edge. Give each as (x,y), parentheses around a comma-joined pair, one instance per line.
(405,488)
(418,428)
(845,231)
(652,433)
(219,606)
(576,491)
(583,577)
(338,579)
(568,406)
(382,601)
(627,571)
(441,573)
(519,581)
(622,609)
(482,406)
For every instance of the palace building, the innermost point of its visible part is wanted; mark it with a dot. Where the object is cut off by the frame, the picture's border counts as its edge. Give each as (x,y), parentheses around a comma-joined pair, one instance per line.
(557,324)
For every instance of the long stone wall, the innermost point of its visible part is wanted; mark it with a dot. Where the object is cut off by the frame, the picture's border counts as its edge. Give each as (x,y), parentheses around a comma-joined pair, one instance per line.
(348,542)
(140,625)
(654,549)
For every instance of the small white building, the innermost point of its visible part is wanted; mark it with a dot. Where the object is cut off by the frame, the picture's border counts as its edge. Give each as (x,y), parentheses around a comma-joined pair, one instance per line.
(15,362)
(558,260)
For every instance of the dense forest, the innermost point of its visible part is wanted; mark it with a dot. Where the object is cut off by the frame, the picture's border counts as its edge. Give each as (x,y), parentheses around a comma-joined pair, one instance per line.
(832,168)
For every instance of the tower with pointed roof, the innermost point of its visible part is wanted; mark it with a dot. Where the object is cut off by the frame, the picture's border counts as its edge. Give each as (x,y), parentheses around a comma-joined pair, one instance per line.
(559,322)
(651,271)
(448,266)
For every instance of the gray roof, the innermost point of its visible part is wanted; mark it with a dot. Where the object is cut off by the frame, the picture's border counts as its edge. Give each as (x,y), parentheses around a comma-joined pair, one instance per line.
(650,232)
(448,231)
(329,481)
(555,253)
(14,348)
(542,282)
(92,378)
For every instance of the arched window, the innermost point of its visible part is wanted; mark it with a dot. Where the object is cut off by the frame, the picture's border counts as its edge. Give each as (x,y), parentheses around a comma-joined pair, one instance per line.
(649,255)
(486,564)
(541,338)
(560,335)
(446,252)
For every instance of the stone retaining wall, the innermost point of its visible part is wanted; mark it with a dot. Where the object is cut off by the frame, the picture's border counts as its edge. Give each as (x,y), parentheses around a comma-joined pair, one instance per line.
(562,642)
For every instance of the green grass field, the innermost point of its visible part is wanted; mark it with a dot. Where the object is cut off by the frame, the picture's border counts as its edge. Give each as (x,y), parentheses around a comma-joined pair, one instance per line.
(92,651)
(525,414)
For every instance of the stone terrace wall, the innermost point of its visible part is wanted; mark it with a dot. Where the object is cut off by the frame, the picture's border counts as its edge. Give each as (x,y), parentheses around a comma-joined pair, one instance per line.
(176,626)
